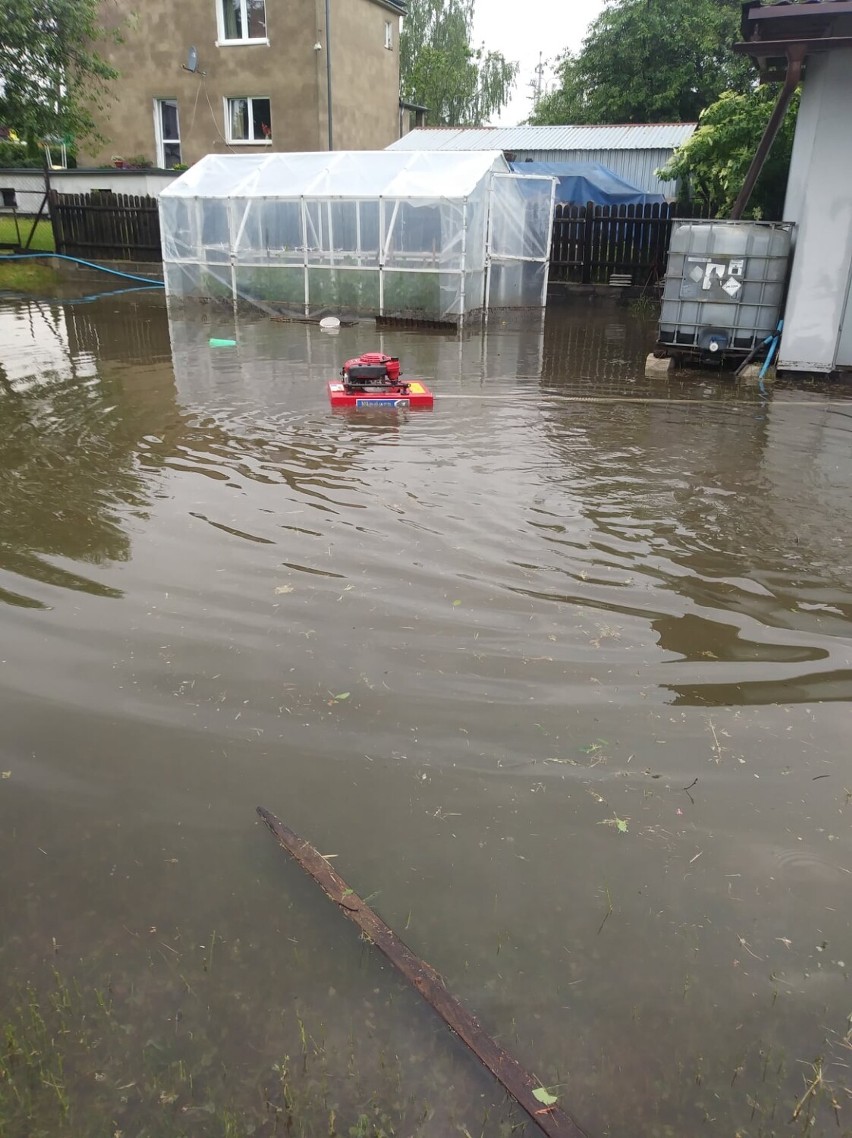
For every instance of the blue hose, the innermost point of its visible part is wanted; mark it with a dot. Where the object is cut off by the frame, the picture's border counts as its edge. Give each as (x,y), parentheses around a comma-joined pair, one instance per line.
(773,348)
(80,261)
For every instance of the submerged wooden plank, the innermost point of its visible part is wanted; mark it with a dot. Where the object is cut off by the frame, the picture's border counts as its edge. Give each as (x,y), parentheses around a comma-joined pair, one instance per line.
(520,1084)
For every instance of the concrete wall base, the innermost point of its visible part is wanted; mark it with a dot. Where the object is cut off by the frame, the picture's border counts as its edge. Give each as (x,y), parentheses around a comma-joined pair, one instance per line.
(656,368)
(750,375)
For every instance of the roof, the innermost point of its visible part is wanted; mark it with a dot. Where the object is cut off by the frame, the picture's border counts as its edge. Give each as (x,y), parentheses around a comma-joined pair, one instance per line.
(398,6)
(630,136)
(771,31)
(337,174)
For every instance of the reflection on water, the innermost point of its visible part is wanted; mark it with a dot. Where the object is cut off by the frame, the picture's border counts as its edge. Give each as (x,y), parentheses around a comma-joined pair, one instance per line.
(560,672)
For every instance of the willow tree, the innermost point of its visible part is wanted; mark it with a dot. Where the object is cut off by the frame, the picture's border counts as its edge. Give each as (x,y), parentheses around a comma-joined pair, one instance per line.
(440,69)
(51,75)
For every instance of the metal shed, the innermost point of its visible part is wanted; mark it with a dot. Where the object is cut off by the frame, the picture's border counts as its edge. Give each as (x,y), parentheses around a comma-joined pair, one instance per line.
(633,151)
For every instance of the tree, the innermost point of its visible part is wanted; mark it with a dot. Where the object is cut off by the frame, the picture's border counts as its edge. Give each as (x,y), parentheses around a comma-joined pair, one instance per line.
(648,61)
(50,73)
(713,164)
(439,69)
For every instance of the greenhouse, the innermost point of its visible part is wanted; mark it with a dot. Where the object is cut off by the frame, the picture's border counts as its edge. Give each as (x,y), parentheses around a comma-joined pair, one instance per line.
(425,234)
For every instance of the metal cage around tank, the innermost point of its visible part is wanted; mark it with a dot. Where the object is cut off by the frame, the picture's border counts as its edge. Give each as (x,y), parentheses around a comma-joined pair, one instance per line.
(724,286)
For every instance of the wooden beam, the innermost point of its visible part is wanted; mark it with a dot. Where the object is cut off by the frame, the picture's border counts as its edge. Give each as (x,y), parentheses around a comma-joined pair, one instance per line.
(827,10)
(520,1084)
(758,49)
(795,59)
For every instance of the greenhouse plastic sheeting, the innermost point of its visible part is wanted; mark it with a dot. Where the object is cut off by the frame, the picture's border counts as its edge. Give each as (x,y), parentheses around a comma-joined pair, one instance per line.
(425,233)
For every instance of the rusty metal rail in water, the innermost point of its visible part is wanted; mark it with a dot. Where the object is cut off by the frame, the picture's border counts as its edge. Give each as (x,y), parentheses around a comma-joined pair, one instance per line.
(520,1084)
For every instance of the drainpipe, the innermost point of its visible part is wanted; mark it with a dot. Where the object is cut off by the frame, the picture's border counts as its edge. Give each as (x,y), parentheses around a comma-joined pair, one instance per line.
(796,53)
(328,71)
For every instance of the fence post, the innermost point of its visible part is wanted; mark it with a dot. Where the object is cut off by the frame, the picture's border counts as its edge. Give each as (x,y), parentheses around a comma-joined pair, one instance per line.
(586,254)
(55,221)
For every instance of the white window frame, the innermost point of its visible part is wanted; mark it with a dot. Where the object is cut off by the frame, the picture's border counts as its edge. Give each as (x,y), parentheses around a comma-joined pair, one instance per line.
(389,35)
(222,41)
(159,141)
(228,99)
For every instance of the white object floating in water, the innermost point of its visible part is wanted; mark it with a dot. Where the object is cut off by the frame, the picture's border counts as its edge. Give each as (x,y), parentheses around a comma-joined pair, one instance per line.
(330,323)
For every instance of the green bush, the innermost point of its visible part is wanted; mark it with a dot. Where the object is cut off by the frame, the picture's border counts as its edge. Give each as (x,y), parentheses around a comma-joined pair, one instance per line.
(18,155)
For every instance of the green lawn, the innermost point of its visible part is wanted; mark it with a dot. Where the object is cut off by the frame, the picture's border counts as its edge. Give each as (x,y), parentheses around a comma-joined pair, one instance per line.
(26,276)
(42,241)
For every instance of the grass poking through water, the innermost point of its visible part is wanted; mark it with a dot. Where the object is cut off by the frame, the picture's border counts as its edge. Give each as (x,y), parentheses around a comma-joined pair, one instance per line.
(154,1055)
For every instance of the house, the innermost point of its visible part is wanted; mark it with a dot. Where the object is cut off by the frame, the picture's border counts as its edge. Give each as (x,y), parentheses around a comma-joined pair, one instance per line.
(236,76)
(812,43)
(633,152)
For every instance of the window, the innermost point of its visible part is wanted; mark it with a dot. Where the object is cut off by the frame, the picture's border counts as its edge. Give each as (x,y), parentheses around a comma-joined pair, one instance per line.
(242,21)
(249,120)
(388,35)
(167,133)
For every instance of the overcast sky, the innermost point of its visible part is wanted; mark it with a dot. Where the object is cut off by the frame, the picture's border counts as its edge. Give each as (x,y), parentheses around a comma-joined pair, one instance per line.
(523,29)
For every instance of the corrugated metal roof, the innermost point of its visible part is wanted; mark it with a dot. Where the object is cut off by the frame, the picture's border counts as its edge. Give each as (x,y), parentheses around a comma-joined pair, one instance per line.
(636,136)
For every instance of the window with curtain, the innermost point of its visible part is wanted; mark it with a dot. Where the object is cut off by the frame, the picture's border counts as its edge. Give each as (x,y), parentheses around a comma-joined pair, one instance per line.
(168,134)
(249,120)
(242,20)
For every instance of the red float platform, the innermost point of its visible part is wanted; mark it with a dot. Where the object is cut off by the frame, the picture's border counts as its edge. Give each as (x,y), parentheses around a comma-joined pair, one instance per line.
(409,396)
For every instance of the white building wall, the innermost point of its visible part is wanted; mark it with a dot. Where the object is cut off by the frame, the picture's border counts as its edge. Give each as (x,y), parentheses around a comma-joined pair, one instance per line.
(29,184)
(819,201)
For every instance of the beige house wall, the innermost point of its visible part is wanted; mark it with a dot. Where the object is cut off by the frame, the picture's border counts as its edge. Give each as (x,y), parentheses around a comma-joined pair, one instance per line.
(289,70)
(365,75)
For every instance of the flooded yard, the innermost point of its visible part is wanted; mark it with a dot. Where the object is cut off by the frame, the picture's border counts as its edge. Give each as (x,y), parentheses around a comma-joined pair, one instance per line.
(560,673)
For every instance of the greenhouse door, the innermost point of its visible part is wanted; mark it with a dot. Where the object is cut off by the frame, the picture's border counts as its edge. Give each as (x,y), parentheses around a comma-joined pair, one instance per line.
(520,225)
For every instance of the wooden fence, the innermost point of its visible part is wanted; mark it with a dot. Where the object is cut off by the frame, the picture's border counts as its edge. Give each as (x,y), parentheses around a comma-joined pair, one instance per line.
(106,226)
(592,243)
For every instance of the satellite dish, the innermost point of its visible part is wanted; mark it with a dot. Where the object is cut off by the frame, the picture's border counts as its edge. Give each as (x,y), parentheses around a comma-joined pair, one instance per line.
(191,60)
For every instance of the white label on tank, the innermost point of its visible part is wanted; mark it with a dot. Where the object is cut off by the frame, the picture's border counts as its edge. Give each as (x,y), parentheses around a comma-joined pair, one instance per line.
(732,286)
(712,269)
(697,274)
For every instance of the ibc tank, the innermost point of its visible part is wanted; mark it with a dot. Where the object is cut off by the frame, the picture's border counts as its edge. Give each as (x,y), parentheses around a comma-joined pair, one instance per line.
(724,284)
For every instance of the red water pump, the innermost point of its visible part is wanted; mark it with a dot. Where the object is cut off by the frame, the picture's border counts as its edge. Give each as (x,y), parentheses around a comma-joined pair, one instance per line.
(372,382)
(372,371)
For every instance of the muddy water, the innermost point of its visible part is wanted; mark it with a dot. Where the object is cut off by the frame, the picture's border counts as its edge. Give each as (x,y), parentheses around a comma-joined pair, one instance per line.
(560,673)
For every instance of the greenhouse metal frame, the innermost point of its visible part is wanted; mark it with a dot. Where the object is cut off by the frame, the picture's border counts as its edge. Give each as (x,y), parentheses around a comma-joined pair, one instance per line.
(416,234)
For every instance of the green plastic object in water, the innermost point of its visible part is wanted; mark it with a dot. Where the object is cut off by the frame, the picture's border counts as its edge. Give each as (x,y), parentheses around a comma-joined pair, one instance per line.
(215,342)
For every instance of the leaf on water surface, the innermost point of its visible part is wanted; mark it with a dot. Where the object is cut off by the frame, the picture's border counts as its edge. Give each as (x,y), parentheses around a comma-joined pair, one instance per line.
(456,604)
(5,774)
(283,589)
(596,746)
(544,1096)
(343,695)
(619,823)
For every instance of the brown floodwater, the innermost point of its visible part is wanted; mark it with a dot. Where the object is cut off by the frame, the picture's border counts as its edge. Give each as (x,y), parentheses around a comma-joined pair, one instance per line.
(560,673)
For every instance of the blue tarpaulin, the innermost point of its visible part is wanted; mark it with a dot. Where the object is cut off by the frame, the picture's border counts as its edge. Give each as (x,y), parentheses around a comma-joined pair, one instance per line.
(581,182)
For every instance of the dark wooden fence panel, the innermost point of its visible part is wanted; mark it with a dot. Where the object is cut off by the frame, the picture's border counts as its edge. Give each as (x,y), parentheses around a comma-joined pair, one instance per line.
(592,243)
(106,226)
